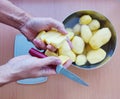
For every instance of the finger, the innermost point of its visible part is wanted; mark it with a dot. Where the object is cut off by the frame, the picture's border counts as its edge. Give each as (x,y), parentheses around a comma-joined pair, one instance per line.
(70,43)
(51,48)
(39,44)
(68,63)
(46,72)
(59,26)
(62,30)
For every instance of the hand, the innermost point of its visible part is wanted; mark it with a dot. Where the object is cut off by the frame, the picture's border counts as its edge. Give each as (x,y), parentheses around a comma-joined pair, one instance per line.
(27,66)
(35,25)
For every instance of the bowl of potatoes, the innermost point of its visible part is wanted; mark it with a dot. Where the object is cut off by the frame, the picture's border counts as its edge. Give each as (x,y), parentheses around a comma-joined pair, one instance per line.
(94,39)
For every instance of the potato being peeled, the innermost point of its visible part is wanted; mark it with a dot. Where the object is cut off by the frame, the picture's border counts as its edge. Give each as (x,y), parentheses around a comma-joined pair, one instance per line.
(100,38)
(41,36)
(95,56)
(52,37)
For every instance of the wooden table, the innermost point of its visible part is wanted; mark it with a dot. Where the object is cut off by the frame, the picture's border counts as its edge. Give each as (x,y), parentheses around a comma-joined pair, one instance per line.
(104,82)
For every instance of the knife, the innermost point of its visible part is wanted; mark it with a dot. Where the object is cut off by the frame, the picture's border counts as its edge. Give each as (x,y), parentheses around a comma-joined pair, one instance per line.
(59,69)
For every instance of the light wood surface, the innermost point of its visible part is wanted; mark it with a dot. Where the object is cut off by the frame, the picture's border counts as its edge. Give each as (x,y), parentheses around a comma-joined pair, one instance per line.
(104,83)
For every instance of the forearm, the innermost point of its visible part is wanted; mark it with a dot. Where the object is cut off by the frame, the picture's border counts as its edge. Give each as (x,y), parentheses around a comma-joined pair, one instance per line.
(12,15)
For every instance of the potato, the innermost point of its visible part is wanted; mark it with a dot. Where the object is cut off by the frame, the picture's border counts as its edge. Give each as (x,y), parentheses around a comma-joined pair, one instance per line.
(70,34)
(69,29)
(50,53)
(94,25)
(100,38)
(52,37)
(95,56)
(78,45)
(71,55)
(93,32)
(88,48)
(41,36)
(63,58)
(81,60)
(85,19)
(86,33)
(66,50)
(76,29)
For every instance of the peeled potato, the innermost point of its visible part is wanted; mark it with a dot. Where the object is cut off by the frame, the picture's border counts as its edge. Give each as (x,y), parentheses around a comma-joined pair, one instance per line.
(71,55)
(78,45)
(69,29)
(94,25)
(85,19)
(76,29)
(88,48)
(66,50)
(100,38)
(52,37)
(93,32)
(63,58)
(50,53)
(81,60)
(86,33)
(95,56)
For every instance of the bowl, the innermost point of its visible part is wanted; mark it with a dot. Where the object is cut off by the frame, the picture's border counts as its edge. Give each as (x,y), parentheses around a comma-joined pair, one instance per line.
(73,19)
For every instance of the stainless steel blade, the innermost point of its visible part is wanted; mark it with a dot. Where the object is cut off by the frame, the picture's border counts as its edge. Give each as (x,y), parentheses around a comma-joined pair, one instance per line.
(61,70)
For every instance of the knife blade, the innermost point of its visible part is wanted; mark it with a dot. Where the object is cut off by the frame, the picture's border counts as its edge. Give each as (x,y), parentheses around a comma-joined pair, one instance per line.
(59,69)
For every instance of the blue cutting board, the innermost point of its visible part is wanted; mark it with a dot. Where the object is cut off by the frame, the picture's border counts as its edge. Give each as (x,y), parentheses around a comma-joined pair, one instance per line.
(21,47)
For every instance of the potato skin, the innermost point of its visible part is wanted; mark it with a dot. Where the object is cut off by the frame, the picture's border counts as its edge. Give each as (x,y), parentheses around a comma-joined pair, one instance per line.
(95,56)
(86,33)
(78,45)
(100,38)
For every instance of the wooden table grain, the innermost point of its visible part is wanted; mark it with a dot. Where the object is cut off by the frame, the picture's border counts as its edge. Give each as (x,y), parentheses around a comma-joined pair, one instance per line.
(104,83)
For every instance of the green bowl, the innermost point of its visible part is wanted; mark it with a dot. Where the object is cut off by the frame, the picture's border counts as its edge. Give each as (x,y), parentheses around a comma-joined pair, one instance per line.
(73,19)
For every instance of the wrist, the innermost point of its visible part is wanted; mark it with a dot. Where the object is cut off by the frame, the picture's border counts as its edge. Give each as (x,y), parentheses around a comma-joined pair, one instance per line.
(22,19)
(5,75)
